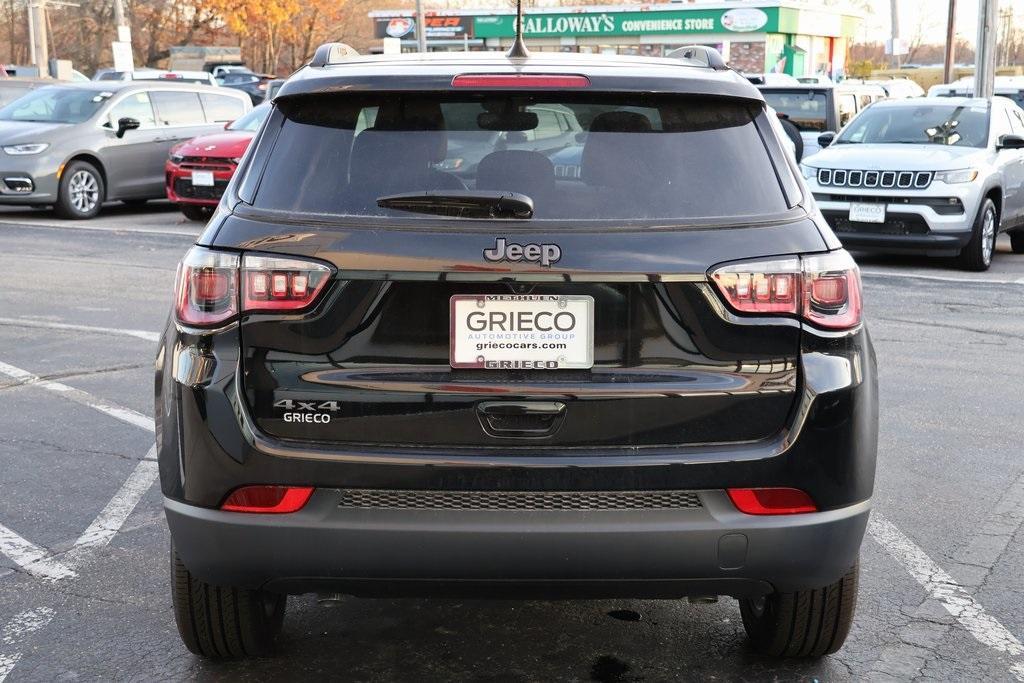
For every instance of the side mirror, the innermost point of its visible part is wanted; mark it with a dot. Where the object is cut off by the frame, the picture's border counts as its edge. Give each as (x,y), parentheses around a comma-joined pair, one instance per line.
(826,138)
(126,124)
(1010,141)
(227,124)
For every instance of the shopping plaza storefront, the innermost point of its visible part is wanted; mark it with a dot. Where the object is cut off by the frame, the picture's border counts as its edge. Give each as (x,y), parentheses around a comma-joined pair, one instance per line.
(754,37)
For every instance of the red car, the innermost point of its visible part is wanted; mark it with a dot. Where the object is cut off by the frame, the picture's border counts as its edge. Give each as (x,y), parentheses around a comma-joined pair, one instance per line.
(199,169)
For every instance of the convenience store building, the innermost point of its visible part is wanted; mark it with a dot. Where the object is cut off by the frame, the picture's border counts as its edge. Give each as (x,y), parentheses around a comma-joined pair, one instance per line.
(772,35)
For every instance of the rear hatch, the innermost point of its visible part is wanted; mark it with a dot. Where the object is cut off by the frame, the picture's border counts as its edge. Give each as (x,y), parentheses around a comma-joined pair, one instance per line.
(587,324)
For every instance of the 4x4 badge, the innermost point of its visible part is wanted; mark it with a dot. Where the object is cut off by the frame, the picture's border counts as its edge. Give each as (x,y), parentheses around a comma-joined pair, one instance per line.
(545,254)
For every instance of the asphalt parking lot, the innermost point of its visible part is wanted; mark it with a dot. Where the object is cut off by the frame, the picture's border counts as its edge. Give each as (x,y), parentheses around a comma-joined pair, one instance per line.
(83,545)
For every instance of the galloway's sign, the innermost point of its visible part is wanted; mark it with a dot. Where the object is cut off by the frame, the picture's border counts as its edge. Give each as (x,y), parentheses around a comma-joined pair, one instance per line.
(545,25)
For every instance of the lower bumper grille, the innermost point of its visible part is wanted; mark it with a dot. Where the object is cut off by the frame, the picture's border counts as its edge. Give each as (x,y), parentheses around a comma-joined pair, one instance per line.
(518,500)
(185,188)
(895,224)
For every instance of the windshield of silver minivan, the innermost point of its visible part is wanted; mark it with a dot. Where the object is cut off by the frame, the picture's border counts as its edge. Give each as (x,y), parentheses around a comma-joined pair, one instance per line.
(953,125)
(55,105)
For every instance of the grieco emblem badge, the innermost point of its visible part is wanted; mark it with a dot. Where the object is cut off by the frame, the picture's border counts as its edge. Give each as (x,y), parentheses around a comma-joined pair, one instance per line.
(545,254)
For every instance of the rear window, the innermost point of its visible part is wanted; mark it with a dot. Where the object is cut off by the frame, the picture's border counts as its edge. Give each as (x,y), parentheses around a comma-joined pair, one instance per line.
(806,109)
(625,158)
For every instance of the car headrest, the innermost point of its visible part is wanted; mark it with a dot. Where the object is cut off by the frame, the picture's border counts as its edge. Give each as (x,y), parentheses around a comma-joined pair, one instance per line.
(529,173)
(620,122)
(610,151)
(424,117)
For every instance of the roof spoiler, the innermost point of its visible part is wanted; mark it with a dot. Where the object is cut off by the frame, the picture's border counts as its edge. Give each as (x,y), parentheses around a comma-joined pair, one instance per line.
(706,56)
(332,53)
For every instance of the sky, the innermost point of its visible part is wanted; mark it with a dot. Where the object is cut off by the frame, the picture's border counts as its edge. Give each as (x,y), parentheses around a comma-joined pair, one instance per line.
(927,17)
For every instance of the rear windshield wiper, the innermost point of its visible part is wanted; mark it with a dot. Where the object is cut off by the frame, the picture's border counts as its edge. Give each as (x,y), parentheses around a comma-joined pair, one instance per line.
(461,203)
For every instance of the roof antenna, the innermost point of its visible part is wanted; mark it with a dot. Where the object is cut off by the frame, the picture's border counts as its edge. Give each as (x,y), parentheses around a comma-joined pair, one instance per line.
(518,49)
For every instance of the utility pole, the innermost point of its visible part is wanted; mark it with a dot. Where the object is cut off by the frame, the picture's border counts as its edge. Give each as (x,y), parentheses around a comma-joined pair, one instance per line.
(38,42)
(985,50)
(31,35)
(894,11)
(947,70)
(421,28)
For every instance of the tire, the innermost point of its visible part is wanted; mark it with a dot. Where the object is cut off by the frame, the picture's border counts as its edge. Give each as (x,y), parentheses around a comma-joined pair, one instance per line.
(805,623)
(81,191)
(223,623)
(977,255)
(1017,241)
(195,212)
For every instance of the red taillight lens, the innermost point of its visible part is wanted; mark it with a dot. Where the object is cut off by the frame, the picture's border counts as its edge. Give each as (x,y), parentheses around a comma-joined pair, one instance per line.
(824,290)
(772,501)
(832,291)
(207,286)
(507,81)
(761,287)
(206,290)
(281,284)
(268,499)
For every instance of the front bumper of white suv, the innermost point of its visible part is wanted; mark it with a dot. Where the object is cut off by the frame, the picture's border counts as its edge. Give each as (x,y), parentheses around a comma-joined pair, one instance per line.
(923,214)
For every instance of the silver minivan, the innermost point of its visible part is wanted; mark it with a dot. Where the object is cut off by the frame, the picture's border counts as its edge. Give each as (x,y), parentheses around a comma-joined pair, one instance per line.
(74,146)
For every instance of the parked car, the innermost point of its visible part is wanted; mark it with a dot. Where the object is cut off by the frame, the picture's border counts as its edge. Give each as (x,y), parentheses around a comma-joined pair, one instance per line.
(273,86)
(1005,86)
(817,79)
(896,88)
(380,378)
(936,176)
(13,88)
(198,170)
(772,79)
(254,85)
(115,75)
(75,146)
(815,109)
(177,76)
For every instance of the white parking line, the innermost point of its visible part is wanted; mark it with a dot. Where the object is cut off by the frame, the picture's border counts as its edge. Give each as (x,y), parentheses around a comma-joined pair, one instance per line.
(32,558)
(102,228)
(113,516)
(48,325)
(78,396)
(943,278)
(985,628)
(98,534)
(21,625)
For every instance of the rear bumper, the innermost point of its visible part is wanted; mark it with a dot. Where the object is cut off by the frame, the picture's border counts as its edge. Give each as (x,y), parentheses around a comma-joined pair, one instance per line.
(710,550)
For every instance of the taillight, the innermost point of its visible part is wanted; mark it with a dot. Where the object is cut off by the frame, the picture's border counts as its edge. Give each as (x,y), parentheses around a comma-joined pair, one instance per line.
(212,287)
(283,284)
(772,501)
(824,290)
(268,499)
(520,81)
(206,291)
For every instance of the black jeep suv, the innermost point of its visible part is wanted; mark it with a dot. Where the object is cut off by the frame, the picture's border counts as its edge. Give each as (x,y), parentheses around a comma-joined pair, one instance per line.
(650,378)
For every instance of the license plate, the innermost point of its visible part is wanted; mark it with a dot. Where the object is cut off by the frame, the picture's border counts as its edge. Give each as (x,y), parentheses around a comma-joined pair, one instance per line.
(522,332)
(867,213)
(202,178)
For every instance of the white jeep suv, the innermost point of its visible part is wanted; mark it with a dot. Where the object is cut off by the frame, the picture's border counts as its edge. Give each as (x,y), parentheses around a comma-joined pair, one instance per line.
(938,176)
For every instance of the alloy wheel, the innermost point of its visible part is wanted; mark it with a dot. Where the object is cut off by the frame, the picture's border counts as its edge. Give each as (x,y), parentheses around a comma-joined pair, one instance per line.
(988,235)
(84,191)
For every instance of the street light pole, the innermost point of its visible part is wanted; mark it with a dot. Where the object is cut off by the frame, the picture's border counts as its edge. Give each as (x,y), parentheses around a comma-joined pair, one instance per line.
(985,50)
(421,28)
